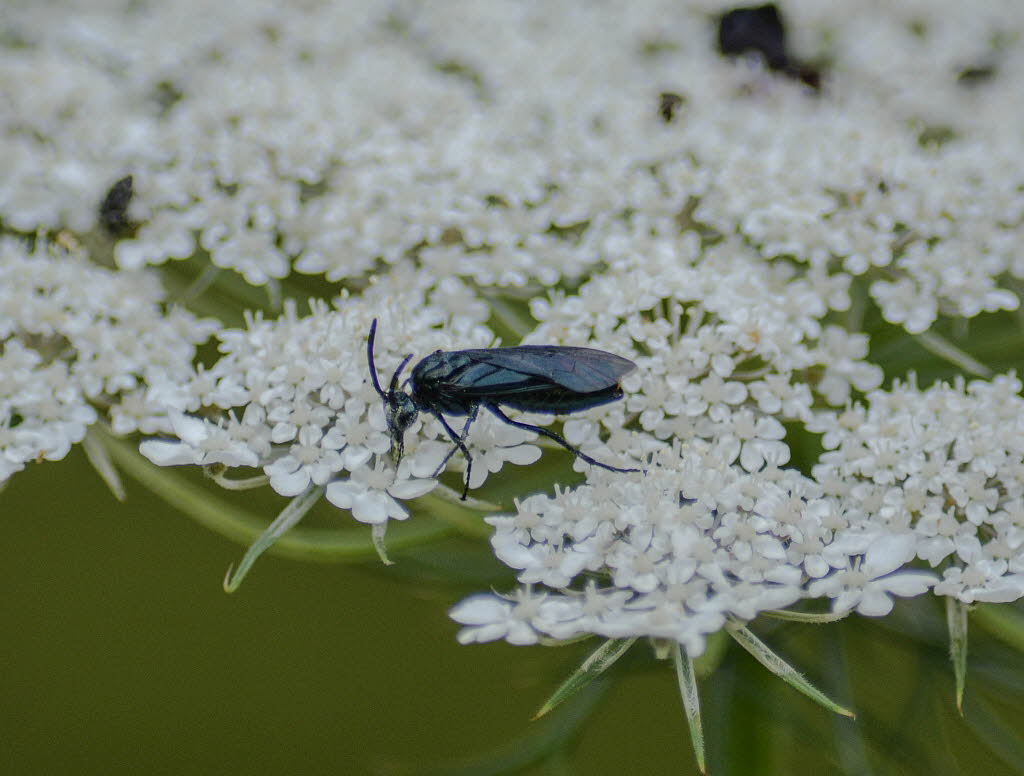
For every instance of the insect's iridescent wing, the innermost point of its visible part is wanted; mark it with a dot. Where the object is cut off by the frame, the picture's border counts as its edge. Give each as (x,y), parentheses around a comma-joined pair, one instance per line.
(533,378)
(583,370)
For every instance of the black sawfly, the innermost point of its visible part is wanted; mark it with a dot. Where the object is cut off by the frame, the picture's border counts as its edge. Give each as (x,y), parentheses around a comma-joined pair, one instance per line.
(552,379)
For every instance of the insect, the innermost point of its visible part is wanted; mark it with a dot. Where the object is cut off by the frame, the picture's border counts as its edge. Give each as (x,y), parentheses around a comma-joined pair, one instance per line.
(762,30)
(114,208)
(668,105)
(553,379)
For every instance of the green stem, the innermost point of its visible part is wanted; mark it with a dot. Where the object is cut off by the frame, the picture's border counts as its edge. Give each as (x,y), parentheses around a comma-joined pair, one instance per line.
(761,652)
(97,454)
(815,618)
(599,661)
(956,620)
(231,521)
(203,281)
(943,348)
(466,520)
(289,518)
(691,701)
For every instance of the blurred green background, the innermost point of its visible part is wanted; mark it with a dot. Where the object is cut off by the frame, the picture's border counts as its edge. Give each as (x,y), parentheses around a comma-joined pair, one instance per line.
(122,654)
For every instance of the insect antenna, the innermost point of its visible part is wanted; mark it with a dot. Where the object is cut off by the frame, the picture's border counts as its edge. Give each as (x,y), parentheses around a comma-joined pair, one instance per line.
(394,377)
(373,365)
(369,358)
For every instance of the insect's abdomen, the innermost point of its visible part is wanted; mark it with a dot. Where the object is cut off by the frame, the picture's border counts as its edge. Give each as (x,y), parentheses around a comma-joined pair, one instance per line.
(555,400)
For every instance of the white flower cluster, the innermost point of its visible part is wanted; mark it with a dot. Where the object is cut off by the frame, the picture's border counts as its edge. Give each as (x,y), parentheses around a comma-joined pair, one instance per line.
(78,342)
(693,542)
(943,470)
(929,231)
(463,153)
(714,529)
(728,349)
(293,396)
(515,145)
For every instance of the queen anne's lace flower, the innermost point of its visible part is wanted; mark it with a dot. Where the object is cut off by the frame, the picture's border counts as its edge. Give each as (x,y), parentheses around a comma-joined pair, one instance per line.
(487,162)
(79,343)
(694,541)
(870,579)
(310,414)
(344,139)
(737,353)
(372,494)
(941,468)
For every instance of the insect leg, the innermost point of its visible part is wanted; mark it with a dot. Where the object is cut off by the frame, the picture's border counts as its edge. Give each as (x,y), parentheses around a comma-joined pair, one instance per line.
(460,438)
(552,435)
(460,444)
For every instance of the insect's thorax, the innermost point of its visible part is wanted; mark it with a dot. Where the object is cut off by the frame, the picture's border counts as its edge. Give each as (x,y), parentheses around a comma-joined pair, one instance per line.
(433,384)
(430,399)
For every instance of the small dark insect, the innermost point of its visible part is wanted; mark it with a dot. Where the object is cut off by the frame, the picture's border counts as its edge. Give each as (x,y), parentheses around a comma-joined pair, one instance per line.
(668,104)
(114,208)
(976,74)
(534,378)
(761,29)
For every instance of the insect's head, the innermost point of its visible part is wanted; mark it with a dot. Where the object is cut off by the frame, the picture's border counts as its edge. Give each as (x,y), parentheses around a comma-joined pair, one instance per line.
(400,410)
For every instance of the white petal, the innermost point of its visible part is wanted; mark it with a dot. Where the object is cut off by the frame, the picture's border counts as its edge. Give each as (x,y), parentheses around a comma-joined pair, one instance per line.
(190,430)
(355,457)
(815,566)
(751,458)
(908,583)
(846,600)
(1002,591)
(375,507)
(521,634)
(522,455)
(342,493)
(427,458)
(875,603)
(290,484)
(480,634)
(163,452)
(412,488)
(888,553)
(478,476)
(480,609)
(515,555)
